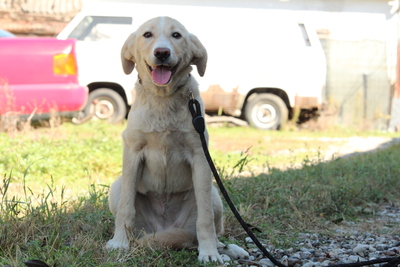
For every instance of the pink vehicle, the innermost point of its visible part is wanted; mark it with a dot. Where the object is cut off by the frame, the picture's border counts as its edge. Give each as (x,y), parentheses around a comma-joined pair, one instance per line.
(38,77)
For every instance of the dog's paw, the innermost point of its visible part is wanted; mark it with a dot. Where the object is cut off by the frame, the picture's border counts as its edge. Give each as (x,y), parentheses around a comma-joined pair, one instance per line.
(234,252)
(117,244)
(208,256)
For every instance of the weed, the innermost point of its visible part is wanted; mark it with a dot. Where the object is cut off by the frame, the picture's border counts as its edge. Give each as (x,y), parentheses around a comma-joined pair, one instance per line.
(10,122)
(13,121)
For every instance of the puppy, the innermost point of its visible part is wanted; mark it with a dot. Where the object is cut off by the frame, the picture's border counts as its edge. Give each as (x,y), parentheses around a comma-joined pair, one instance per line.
(165,193)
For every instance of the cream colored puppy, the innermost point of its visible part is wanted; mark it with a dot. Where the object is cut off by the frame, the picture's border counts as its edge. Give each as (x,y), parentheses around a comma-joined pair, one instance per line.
(165,193)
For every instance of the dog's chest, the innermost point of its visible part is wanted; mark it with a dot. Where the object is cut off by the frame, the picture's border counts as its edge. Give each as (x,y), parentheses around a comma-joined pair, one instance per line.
(166,163)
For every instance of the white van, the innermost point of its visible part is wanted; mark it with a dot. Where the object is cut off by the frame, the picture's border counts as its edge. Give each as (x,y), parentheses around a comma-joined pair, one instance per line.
(261,63)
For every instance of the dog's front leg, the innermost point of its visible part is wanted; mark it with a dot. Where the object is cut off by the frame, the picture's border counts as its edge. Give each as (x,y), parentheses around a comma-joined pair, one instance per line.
(205,227)
(132,167)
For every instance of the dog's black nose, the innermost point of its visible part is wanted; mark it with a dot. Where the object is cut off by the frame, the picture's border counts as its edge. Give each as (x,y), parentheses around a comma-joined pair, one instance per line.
(162,53)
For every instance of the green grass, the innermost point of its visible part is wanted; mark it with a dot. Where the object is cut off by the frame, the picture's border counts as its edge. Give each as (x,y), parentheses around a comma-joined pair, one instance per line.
(54,191)
(72,156)
(320,189)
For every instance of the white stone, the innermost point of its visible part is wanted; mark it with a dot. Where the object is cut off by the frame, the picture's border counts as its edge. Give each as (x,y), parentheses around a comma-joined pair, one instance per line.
(225,257)
(360,248)
(354,258)
(249,240)
(266,262)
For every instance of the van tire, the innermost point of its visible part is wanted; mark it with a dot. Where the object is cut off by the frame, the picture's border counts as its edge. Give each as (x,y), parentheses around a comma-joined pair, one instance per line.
(106,104)
(266,112)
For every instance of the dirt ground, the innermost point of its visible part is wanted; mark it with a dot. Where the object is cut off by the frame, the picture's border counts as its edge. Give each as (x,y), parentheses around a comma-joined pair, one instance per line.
(355,145)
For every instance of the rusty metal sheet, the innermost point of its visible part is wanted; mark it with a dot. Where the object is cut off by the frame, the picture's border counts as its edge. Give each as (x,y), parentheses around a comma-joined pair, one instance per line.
(215,98)
(306,102)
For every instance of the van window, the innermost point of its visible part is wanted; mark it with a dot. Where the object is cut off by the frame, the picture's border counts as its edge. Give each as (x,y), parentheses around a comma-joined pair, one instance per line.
(304,34)
(95,28)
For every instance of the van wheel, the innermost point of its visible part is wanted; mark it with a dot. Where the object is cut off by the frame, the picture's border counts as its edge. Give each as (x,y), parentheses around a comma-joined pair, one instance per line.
(106,104)
(266,112)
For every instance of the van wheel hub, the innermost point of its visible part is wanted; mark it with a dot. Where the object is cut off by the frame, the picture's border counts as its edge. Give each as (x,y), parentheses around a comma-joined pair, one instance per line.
(103,109)
(265,113)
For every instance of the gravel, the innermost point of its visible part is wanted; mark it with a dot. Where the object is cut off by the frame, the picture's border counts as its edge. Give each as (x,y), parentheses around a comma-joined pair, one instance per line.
(377,237)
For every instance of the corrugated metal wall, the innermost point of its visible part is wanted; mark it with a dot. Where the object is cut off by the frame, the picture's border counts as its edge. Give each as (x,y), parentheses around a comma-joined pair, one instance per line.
(357,82)
(37,17)
(41,6)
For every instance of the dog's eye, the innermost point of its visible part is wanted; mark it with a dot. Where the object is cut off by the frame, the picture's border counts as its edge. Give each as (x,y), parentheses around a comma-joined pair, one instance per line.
(147,35)
(176,35)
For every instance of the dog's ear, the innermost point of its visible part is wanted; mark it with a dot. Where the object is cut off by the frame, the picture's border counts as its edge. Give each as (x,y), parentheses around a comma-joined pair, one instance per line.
(128,61)
(199,54)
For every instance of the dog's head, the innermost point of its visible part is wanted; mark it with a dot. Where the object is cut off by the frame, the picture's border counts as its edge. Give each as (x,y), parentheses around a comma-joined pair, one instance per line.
(164,50)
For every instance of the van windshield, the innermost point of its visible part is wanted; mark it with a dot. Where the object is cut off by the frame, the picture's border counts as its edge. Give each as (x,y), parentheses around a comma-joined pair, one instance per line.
(96,28)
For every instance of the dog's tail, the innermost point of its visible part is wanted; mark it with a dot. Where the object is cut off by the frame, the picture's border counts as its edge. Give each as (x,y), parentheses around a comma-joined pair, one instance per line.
(173,238)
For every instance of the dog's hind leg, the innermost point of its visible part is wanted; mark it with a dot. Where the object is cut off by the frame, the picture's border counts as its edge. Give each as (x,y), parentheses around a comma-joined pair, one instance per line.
(174,238)
(218,210)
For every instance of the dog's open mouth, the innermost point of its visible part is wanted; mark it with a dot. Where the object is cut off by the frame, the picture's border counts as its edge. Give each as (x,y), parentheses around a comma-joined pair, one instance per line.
(161,74)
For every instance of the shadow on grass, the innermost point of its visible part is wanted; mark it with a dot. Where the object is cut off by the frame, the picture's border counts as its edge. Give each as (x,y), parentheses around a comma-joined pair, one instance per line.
(319,193)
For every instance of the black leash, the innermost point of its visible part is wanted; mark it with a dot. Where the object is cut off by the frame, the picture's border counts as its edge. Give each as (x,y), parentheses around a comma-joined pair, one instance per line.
(200,126)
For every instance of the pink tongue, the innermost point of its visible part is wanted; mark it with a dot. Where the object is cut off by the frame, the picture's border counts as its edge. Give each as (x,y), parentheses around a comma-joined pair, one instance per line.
(161,74)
